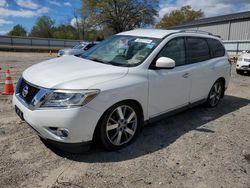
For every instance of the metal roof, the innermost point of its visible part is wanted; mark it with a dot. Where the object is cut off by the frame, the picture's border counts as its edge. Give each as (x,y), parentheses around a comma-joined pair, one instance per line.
(216,19)
(155,33)
(161,33)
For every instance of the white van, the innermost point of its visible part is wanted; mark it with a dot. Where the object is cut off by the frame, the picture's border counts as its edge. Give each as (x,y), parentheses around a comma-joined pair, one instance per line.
(126,80)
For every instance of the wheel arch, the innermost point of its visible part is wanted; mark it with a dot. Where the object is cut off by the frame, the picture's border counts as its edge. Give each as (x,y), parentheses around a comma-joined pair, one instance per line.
(97,128)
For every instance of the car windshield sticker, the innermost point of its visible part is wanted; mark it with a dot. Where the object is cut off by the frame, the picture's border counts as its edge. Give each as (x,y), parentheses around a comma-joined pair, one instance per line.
(150,46)
(147,41)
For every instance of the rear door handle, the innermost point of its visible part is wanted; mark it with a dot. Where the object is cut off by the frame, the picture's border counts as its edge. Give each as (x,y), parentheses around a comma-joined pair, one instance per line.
(186,75)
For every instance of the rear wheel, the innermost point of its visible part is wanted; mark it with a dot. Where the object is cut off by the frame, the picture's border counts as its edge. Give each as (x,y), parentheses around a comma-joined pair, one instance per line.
(215,94)
(120,125)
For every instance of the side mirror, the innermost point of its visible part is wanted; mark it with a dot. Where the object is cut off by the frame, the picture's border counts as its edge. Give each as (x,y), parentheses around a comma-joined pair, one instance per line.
(165,63)
(244,52)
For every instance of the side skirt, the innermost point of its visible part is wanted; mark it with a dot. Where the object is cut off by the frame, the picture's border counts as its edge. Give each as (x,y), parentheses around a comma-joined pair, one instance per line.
(173,112)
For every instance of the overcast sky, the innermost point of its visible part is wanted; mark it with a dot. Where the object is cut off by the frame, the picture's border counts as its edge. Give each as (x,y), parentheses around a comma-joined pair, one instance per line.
(209,7)
(25,12)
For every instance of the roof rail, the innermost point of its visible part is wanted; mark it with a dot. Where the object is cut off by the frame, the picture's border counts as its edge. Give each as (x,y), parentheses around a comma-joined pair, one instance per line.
(196,31)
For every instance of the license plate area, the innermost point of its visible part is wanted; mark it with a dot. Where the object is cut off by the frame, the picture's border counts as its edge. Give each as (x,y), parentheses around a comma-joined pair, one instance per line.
(19,112)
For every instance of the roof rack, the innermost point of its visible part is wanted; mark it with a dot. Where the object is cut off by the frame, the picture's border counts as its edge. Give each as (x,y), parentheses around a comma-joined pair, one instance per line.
(199,31)
(196,31)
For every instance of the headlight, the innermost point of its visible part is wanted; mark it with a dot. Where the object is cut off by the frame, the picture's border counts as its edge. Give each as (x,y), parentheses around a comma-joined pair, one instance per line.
(66,98)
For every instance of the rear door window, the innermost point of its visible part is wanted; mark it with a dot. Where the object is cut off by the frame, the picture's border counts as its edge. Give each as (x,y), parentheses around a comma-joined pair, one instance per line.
(216,48)
(198,49)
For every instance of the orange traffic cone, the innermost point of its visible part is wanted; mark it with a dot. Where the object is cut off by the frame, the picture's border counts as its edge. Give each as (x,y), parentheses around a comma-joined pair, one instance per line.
(8,87)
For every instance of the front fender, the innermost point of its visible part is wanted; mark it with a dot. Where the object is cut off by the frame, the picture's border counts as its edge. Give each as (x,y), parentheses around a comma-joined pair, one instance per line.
(129,87)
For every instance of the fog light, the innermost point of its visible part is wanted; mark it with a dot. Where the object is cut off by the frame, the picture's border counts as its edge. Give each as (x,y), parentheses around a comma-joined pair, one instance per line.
(62,132)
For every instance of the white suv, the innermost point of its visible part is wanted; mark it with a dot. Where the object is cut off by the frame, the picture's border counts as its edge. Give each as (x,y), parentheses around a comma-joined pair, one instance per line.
(243,63)
(128,79)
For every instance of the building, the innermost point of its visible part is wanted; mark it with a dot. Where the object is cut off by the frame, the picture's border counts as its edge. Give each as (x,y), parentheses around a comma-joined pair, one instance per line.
(229,27)
(234,29)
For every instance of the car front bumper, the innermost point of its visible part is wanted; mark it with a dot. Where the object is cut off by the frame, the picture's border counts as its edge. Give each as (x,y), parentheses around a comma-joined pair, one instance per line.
(80,122)
(242,65)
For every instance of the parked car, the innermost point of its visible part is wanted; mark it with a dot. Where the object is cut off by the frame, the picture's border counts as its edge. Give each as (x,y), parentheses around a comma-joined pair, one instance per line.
(76,50)
(243,63)
(130,78)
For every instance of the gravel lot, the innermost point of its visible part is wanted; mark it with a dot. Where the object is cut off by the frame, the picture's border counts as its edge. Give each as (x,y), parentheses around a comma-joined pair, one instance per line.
(197,148)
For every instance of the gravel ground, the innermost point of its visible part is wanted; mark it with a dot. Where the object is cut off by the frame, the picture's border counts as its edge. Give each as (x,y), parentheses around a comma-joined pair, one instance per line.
(197,148)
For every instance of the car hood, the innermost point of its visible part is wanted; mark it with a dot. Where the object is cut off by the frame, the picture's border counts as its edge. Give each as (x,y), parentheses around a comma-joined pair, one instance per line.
(65,49)
(73,51)
(71,72)
(246,55)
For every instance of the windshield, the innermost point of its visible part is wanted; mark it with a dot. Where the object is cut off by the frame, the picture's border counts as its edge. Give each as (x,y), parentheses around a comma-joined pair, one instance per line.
(79,46)
(122,50)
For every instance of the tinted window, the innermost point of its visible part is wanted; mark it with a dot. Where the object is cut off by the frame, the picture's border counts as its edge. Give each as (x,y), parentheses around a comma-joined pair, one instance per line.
(198,49)
(175,49)
(88,46)
(216,48)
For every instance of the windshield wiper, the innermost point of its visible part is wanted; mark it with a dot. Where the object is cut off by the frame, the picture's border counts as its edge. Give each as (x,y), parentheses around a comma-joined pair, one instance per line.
(95,59)
(106,62)
(119,65)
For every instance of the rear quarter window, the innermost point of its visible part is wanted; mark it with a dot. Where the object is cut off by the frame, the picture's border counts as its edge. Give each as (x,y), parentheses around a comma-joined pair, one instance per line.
(198,49)
(216,47)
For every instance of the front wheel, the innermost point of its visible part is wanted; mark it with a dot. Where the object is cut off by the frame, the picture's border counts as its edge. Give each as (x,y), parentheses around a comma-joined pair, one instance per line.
(215,94)
(239,71)
(120,125)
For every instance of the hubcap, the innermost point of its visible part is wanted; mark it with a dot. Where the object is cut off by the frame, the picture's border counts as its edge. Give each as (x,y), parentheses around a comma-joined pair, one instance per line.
(215,94)
(121,125)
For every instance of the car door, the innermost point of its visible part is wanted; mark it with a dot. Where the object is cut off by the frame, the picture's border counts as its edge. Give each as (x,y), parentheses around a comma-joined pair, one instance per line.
(199,56)
(169,88)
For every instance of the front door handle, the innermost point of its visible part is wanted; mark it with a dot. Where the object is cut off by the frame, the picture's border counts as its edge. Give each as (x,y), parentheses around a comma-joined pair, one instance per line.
(186,75)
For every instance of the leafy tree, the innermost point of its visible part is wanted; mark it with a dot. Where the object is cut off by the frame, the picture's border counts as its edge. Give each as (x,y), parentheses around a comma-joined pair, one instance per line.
(176,17)
(64,32)
(43,27)
(121,15)
(85,23)
(94,35)
(17,30)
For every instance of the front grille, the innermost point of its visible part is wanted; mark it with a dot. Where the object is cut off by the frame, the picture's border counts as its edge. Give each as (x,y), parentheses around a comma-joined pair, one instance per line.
(245,66)
(30,92)
(247,60)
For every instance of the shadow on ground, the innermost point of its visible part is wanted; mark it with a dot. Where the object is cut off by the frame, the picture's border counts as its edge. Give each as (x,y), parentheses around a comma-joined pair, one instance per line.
(161,134)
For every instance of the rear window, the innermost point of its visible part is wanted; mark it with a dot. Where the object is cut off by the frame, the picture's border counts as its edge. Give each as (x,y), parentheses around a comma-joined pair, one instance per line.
(216,48)
(198,49)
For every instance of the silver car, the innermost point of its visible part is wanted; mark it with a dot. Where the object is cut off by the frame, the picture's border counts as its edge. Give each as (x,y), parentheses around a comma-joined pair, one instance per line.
(76,50)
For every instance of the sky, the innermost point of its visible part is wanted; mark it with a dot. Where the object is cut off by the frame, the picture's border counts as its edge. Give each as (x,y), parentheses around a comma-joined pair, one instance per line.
(25,12)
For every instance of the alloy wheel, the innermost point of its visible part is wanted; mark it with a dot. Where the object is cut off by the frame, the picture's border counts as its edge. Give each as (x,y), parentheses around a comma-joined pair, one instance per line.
(121,125)
(215,94)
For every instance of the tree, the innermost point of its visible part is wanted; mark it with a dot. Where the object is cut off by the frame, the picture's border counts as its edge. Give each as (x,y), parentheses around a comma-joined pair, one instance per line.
(18,30)
(76,23)
(43,27)
(121,15)
(64,32)
(178,17)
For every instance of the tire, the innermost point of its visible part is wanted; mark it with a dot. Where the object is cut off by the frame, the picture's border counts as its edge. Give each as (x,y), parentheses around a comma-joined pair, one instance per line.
(120,125)
(215,94)
(239,71)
